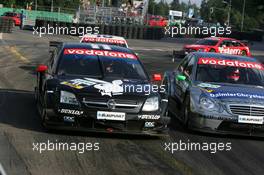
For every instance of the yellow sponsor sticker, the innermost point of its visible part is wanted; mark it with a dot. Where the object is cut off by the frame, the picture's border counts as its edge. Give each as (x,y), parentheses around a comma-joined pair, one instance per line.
(72,85)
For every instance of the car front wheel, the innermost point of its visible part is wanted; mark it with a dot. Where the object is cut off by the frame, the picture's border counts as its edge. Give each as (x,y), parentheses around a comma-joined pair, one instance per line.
(186,111)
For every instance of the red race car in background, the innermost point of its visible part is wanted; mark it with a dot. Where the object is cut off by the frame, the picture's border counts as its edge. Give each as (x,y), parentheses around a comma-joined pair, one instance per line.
(14,16)
(157,21)
(218,45)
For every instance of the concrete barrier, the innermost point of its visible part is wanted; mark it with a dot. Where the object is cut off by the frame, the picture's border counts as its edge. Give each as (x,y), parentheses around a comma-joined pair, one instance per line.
(126,31)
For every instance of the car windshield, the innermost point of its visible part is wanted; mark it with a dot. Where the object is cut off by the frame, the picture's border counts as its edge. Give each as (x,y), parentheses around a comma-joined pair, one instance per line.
(113,44)
(122,65)
(230,71)
(207,42)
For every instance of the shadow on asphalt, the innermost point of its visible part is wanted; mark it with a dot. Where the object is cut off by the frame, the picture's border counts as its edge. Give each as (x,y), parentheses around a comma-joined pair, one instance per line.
(18,109)
(178,127)
(29,68)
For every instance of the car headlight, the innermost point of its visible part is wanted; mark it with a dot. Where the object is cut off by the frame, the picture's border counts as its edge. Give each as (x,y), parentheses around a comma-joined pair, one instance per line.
(151,104)
(69,98)
(208,104)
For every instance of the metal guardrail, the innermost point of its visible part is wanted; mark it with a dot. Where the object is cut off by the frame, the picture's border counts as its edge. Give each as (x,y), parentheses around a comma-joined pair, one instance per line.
(108,15)
(126,31)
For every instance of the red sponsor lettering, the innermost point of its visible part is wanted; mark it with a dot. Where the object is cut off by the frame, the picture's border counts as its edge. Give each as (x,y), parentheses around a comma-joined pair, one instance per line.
(231,63)
(103,40)
(99,53)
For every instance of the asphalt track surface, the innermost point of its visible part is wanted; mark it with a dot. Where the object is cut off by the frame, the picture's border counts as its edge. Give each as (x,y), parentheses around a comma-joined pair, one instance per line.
(20,52)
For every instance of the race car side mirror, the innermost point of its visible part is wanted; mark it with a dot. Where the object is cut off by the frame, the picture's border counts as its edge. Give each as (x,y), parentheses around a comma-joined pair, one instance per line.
(181,77)
(42,68)
(156,77)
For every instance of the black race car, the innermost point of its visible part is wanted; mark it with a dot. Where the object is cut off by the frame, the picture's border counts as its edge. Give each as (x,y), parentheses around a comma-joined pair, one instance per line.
(95,87)
(217,93)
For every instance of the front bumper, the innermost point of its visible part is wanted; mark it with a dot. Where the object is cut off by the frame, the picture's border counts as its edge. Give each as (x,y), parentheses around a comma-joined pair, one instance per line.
(221,125)
(89,123)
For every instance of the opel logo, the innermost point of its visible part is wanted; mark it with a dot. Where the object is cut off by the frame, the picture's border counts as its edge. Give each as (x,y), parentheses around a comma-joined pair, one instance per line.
(111,104)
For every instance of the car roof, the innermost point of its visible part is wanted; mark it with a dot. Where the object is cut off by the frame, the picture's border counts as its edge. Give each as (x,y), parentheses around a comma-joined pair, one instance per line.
(100,47)
(223,56)
(104,36)
(220,38)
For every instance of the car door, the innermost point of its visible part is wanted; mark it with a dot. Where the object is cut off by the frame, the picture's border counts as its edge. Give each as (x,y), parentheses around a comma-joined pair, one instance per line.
(224,46)
(179,87)
(43,77)
(237,47)
(187,72)
(180,71)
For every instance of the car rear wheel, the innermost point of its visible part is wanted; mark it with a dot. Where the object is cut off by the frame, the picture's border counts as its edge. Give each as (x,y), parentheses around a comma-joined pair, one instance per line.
(244,53)
(212,50)
(43,115)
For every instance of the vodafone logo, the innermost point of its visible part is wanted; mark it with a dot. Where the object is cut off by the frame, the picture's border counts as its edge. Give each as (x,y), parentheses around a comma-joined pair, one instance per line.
(103,40)
(231,63)
(99,53)
(230,51)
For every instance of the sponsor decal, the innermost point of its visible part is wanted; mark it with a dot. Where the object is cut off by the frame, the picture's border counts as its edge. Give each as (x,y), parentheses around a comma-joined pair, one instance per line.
(105,53)
(149,124)
(149,117)
(73,85)
(238,95)
(105,88)
(105,115)
(70,111)
(109,89)
(229,51)
(209,90)
(68,119)
(250,119)
(103,40)
(231,63)
(208,85)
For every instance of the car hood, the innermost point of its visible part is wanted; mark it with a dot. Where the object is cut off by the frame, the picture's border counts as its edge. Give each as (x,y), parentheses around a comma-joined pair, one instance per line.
(232,93)
(104,87)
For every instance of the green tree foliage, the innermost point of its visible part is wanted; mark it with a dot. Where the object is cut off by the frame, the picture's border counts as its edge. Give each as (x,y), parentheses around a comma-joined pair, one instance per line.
(254,16)
(175,4)
(58,3)
(8,3)
(162,8)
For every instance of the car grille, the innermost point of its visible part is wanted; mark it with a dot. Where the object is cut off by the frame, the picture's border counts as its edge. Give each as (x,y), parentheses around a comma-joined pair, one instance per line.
(248,110)
(120,104)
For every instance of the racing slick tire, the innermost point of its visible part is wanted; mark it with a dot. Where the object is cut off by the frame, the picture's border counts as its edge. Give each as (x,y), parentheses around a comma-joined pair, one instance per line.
(186,111)
(212,50)
(41,111)
(243,53)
